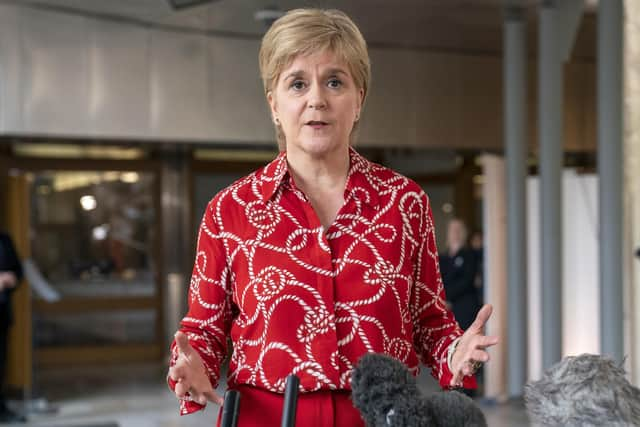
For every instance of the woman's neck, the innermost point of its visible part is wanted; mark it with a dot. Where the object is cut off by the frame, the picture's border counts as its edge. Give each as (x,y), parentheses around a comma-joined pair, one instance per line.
(324,173)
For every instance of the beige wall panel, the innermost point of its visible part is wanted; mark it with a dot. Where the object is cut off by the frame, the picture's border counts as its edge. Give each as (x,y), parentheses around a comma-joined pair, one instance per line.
(481,103)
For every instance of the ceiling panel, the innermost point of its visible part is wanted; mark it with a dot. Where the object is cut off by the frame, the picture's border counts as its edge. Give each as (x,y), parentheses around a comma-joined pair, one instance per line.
(445,25)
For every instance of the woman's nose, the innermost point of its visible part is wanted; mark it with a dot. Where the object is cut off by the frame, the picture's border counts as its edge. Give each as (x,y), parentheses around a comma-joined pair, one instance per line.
(316,100)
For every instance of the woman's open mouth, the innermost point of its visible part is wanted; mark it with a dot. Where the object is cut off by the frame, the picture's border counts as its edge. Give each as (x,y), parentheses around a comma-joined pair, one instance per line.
(317,124)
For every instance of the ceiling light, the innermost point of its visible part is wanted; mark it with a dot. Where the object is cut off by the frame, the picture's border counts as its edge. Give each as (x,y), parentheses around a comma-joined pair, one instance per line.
(129,177)
(100,232)
(88,202)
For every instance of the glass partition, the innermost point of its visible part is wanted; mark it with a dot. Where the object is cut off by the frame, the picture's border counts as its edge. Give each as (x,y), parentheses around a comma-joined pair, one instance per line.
(93,236)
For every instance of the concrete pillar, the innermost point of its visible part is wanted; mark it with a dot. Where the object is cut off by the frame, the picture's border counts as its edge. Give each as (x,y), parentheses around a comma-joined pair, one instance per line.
(550,120)
(610,122)
(515,120)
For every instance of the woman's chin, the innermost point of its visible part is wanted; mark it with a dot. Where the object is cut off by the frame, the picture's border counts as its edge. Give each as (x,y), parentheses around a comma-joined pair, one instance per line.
(320,146)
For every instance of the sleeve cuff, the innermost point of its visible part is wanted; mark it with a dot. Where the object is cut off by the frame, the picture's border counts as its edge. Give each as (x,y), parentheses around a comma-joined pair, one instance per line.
(451,350)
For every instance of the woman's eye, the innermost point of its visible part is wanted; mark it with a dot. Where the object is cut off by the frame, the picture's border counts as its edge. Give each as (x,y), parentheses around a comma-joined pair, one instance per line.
(297,85)
(334,83)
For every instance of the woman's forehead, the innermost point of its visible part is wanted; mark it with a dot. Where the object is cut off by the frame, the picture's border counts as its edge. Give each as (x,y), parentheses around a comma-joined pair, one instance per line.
(323,60)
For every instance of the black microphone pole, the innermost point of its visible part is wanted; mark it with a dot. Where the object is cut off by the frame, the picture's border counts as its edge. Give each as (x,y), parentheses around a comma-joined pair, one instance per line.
(230,409)
(290,401)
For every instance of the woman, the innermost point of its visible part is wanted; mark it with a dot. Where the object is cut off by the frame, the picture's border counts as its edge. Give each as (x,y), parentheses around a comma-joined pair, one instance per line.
(320,256)
(458,267)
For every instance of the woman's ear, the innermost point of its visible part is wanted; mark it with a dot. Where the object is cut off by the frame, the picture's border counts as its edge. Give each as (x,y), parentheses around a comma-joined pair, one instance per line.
(273,106)
(361,95)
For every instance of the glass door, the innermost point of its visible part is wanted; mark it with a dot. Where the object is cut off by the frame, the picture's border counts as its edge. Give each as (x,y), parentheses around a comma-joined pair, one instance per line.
(94,247)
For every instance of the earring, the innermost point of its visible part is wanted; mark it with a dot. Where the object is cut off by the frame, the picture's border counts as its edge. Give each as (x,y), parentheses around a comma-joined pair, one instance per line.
(277,121)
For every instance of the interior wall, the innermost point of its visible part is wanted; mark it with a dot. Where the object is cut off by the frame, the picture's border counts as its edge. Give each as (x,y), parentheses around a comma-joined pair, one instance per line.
(76,76)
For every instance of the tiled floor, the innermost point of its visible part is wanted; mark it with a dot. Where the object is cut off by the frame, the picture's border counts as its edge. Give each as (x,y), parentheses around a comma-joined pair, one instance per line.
(136,396)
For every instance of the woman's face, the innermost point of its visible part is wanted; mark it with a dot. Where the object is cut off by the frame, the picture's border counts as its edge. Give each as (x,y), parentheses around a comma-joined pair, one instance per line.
(455,234)
(316,102)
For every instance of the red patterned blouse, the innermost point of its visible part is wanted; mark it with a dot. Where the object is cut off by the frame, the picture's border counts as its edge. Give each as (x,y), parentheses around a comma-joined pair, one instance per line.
(296,298)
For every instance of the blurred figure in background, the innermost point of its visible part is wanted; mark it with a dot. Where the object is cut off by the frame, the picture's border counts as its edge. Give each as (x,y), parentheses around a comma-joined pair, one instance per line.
(10,276)
(458,269)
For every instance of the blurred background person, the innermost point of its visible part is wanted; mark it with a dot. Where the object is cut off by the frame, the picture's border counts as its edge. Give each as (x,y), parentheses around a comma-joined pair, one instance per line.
(458,270)
(10,276)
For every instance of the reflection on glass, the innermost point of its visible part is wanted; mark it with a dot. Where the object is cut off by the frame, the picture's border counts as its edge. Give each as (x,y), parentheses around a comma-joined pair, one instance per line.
(94,228)
(93,236)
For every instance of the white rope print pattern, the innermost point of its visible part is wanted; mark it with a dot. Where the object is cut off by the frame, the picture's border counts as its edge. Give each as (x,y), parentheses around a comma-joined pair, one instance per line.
(295,298)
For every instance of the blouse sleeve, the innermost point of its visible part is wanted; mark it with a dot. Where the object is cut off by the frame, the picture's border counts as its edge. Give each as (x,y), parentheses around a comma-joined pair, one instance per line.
(435,328)
(208,320)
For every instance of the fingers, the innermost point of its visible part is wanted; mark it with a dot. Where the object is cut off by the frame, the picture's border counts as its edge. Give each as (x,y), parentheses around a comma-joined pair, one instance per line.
(199,398)
(181,390)
(479,356)
(481,318)
(472,347)
(475,352)
(214,397)
(456,381)
(483,341)
(467,370)
(182,342)
(176,373)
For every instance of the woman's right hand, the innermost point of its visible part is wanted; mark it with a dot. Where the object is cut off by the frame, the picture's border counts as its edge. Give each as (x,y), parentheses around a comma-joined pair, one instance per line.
(190,375)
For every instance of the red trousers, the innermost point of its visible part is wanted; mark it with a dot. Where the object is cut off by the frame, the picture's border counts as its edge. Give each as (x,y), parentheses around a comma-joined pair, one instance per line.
(261,408)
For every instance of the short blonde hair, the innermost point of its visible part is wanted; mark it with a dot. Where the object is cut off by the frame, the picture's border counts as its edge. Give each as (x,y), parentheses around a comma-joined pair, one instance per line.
(305,31)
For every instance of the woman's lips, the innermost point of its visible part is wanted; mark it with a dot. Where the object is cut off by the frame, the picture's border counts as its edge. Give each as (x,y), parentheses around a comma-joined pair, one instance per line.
(316,124)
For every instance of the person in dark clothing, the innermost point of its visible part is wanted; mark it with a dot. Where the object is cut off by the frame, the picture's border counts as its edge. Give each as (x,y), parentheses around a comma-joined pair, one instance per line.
(458,267)
(10,276)
(458,270)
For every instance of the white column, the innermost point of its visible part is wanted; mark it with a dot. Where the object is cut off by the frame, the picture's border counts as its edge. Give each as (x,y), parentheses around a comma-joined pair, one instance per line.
(495,272)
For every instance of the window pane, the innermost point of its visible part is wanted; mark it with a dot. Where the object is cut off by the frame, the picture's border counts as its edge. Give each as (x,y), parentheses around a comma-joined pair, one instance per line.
(93,232)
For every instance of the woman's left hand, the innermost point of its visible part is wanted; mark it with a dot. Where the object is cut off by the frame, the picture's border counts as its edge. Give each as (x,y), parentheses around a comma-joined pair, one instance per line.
(471,350)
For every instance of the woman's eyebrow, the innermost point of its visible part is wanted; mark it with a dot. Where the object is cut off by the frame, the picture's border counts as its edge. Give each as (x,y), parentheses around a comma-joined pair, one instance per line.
(301,73)
(294,74)
(336,71)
